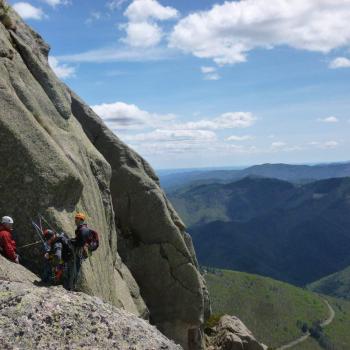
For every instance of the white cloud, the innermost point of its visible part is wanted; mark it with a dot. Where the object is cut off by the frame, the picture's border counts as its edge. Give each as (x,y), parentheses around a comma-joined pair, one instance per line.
(142,34)
(161,134)
(28,11)
(118,55)
(115,4)
(239,138)
(94,16)
(325,145)
(228,31)
(63,71)
(166,148)
(166,135)
(278,144)
(230,120)
(331,144)
(206,69)
(55,3)
(123,116)
(340,62)
(142,29)
(212,76)
(331,119)
(142,10)
(210,73)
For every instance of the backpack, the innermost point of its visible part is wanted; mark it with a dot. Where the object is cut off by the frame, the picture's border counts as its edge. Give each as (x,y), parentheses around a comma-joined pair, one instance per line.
(87,236)
(93,240)
(67,248)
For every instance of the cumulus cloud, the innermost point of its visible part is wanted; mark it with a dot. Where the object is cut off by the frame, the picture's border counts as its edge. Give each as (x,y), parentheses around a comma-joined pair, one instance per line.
(55,3)
(210,73)
(143,10)
(206,69)
(142,34)
(330,119)
(142,29)
(239,138)
(28,11)
(230,120)
(115,4)
(123,116)
(165,135)
(340,62)
(228,31)
(63,71)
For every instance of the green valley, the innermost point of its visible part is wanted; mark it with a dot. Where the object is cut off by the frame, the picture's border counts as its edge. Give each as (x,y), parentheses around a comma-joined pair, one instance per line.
(276,311)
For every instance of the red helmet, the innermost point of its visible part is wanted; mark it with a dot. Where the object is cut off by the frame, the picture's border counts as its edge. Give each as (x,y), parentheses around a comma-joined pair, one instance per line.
(48,234)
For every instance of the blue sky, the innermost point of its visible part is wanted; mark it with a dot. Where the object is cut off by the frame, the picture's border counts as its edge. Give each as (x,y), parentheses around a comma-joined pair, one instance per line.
(208,83)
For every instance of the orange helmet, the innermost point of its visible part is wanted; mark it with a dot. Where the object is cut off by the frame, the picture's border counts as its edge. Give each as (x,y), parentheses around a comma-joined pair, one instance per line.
(80,216)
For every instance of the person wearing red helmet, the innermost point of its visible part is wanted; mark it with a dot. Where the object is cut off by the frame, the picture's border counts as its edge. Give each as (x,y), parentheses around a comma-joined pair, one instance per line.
(58,251)
(7,244)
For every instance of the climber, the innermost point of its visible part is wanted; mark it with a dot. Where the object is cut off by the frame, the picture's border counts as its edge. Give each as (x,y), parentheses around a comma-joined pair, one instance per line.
(85,242)
(7,244)
(58,251)
(85,238)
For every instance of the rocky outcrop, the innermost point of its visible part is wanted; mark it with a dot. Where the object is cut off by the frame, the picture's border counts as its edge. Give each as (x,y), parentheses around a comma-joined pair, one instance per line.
(50,166)
(232,334)
(52,318)
(15,272)
(59,157)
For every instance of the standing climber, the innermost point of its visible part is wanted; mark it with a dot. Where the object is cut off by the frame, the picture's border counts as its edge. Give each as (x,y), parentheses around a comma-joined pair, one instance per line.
(7,244)
(86,241)
(57,253)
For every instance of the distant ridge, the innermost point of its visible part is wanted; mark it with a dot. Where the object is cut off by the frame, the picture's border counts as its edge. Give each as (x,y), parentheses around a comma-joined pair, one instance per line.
(287,172)
(336,285)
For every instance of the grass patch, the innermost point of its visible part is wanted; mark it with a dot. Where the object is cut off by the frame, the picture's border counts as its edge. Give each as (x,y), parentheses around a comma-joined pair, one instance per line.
(274,311)
(339,330)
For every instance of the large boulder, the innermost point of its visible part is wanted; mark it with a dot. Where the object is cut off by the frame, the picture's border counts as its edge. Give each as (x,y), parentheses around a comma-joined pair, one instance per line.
(52,318)
(12,272)
(232,334)
(59,157)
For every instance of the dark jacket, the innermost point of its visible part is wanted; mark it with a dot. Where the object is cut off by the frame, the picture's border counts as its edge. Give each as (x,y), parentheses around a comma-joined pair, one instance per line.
(7,244)
(54,249)
(82,235)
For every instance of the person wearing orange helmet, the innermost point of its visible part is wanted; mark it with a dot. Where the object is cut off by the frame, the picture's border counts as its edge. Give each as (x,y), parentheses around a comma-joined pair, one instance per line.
(86,240)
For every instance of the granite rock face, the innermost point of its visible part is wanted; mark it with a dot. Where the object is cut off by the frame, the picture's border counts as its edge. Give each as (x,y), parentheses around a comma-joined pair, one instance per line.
(52,318)
(152,240)
(232,334)
(58,158)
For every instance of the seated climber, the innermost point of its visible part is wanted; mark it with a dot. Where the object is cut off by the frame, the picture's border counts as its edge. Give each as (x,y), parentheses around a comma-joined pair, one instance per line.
(85,242)
(7,244)
(58,251)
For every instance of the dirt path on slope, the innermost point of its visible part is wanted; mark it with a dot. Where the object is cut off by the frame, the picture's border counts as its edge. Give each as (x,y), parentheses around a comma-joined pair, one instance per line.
(303,338)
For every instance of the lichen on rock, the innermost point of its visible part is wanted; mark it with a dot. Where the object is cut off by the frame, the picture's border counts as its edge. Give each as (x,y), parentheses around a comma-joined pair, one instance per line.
(52,318)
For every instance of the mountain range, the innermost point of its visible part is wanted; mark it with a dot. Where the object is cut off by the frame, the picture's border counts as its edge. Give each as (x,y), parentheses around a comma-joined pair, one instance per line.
(294,233)
(288,172)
